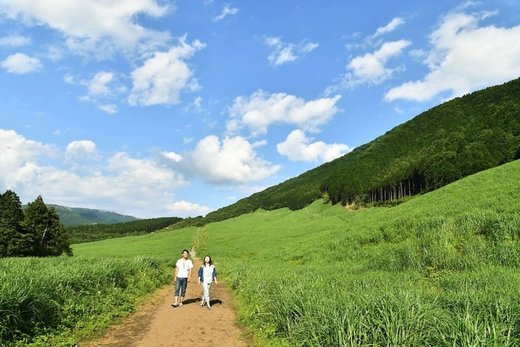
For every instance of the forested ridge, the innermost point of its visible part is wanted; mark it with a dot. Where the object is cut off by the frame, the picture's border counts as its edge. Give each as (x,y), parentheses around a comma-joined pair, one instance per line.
(94,232)
(460,137)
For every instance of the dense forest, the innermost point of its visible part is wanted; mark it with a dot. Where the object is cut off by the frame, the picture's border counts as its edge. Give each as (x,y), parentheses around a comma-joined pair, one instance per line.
(460,137)
(35,231)
(94,232)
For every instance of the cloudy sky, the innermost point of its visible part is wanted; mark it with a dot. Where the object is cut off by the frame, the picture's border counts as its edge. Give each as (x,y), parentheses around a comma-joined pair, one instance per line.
(158,108)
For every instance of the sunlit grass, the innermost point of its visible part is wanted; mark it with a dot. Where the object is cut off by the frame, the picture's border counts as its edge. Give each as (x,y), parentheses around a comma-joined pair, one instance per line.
(58,301)
(438,270)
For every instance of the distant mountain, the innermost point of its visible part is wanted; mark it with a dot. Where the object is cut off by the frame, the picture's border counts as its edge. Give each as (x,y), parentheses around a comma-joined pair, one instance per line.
(71,216)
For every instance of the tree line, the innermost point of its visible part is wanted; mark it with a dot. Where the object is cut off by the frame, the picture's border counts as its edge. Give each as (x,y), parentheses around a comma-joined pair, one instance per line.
(94,232)
(35,231)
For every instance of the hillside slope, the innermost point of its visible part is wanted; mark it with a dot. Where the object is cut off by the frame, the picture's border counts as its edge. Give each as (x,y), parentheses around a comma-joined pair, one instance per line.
(438,270)
(451,141)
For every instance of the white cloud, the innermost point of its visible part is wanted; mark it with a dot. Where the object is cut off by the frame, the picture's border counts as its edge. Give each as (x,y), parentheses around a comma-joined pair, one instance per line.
(83,149)
(20,63)
(98,85)
(86,25)
(371,68)
(464,57)
(172,156)
(286,52)
(259,143)
(226,11)
(196,106)
(298,147)
(108,108)
(120,183)
(18,152)
(162,78)
(391,26)
(187,209)
(230,161)
(261,109)
(135,171)
(14,41)
(102,89)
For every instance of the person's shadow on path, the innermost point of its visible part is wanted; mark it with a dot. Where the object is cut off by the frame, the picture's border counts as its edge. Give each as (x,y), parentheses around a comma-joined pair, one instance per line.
(211,302)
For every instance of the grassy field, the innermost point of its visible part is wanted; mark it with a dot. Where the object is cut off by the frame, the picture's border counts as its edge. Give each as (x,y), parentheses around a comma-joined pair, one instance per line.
(438,270)
(59,301)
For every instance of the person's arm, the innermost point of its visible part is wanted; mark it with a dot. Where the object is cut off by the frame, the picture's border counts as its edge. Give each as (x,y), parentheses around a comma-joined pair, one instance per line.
(189,272)
(176,272)
(215,275)
(199,275)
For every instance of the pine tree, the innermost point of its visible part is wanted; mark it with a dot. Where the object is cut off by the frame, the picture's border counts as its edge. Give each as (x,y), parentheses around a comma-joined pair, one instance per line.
(11,217)
(44,231)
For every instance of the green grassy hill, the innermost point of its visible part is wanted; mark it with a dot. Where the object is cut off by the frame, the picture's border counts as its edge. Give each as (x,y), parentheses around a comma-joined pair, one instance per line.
(71,216)
(438,270)
(451,141)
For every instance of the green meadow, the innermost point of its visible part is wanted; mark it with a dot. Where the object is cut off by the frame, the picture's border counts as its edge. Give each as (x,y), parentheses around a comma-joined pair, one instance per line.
(441,269)
(60,301)
(438,270)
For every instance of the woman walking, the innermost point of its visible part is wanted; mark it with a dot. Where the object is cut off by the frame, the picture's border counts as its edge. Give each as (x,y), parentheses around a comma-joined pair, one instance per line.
(207,274)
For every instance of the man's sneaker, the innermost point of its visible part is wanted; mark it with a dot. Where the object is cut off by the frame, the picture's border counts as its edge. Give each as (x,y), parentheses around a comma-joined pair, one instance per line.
(180,304)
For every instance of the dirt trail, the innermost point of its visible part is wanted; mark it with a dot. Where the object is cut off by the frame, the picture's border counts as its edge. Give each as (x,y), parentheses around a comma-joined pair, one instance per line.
(157,323)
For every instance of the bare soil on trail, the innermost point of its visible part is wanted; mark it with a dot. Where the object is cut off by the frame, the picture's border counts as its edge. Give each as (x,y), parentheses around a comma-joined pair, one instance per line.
(157,323)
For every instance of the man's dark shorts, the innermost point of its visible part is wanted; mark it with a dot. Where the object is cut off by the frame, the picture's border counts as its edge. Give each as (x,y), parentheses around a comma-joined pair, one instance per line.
(181,285)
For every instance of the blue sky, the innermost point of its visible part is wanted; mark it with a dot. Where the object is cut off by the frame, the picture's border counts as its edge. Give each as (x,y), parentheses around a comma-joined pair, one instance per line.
(156,108)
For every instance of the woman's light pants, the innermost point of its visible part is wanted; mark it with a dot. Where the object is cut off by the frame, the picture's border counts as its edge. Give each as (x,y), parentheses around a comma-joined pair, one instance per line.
(205,290)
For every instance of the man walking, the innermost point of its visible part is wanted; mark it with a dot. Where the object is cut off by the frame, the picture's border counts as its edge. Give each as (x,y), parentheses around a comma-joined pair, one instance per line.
(182,277)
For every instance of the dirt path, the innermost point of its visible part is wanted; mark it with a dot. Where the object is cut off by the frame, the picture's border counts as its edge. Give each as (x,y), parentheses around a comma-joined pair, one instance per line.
(157,323)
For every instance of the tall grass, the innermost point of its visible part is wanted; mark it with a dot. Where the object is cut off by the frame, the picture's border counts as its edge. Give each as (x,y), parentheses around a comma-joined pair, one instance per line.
(59,301)
(38,296)
(438,270)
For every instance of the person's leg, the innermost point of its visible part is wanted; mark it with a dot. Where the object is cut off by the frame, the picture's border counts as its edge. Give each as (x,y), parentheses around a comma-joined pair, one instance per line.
(203,294)
(177,288)
(184,285)
(208,285)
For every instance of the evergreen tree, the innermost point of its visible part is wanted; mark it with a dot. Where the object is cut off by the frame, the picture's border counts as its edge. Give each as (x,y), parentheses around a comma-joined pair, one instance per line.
(44,231)
(11,217)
